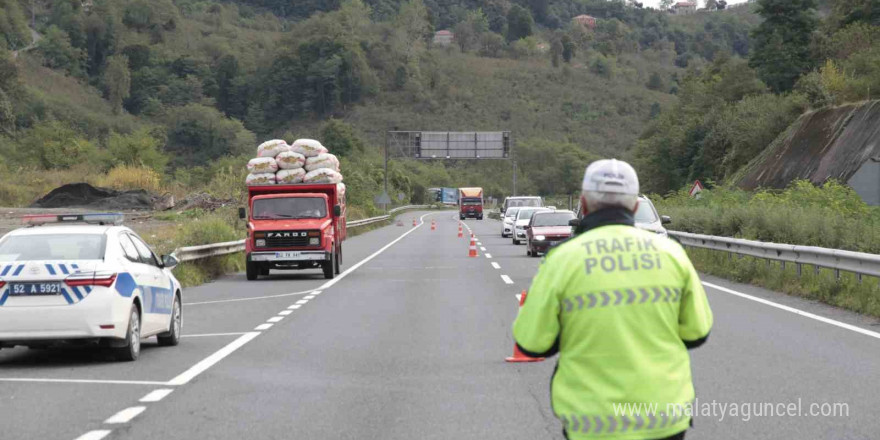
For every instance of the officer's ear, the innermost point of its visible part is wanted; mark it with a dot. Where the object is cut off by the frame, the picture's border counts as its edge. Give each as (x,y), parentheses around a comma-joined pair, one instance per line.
(636,207)
(584,208)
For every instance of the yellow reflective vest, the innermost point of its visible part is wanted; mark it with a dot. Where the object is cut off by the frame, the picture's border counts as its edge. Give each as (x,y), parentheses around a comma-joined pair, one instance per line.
(622,303)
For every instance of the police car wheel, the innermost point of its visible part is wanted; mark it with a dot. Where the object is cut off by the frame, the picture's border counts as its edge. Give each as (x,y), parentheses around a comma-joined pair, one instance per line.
(132,349)
(172,337)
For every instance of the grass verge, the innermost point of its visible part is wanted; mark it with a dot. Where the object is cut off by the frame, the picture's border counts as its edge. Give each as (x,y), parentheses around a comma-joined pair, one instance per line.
(822,285)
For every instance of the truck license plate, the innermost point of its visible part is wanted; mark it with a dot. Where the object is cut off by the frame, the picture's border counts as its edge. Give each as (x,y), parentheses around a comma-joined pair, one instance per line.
(286,255)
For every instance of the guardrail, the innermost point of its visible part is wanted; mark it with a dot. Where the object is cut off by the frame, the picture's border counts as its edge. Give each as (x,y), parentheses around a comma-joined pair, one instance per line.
(191,253)
(838,260)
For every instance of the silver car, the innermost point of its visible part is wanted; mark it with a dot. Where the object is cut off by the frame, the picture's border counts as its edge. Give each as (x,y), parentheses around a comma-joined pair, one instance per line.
(648,219)
(507,222)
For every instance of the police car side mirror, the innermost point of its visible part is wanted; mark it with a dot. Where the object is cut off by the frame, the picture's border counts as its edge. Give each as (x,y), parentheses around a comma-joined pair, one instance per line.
(169,261)
(574,223)
(665,219)
(242,213)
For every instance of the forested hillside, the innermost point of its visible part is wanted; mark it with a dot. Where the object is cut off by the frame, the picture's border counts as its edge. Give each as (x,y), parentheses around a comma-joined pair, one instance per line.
(169,95)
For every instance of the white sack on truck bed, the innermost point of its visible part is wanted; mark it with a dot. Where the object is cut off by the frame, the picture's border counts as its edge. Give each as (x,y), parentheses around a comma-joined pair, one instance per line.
(262,165)
(285,177)
(325,160)
(272,148)
(323,175)
(260,179)
(308,147)
(289,160)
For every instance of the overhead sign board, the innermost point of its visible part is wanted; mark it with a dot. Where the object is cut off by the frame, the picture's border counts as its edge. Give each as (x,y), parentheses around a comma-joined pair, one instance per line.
(450,144)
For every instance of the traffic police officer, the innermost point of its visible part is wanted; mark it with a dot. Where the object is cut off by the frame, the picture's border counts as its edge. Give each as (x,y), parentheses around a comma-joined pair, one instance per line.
(621,306)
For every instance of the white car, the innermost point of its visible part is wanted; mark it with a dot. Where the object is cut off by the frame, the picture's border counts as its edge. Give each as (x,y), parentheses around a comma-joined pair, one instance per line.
(507,222)
(522,220)
(65,283)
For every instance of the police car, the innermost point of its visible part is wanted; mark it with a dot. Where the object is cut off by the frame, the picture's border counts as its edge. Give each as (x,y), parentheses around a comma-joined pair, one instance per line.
(85,278)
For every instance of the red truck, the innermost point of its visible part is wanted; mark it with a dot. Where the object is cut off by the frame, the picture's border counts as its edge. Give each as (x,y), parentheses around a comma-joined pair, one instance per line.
(470,203)
(299,226)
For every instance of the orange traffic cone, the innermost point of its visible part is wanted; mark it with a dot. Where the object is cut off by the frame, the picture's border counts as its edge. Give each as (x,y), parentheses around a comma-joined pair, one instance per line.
(414,222)
(433,225)
(519,356)
(473,249)
(460,232)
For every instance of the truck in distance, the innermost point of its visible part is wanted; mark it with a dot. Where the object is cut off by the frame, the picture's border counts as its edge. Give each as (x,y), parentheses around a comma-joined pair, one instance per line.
(298,226)
(470,203)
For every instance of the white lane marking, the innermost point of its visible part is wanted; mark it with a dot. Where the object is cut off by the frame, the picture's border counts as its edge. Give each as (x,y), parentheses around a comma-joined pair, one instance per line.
(480,244)
(285,312)
(263,327)
(95,435)
(351,269)
(211,360)
(796,311)
(496,265)
(275,319)
(208,335)
(506,279)
(82,381)
(482,249)
(309,297)
(156,396)
(488,255)
(518,296)
(295,306)
(317,292)
(125,415)
(248,299)
(302,301)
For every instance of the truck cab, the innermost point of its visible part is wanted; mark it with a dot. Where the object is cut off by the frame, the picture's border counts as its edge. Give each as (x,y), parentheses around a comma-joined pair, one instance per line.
(470,203)
(298,226)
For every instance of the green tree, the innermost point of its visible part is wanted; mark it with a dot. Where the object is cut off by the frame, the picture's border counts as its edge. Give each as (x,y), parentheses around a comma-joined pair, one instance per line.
(340,138)
(13,25)
(666,4)
(117,81)
(469,32)
(519,23)
(226,72)
(711,5)
(58,53)
(782,43)
(199,134)
(143,147)
(568,48)
(655,82)
(54,144)
(555,52)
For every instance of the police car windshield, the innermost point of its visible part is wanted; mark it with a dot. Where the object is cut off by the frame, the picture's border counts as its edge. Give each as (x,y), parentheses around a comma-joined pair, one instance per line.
(291,207)
(52,247)
(645,213)
(553,219)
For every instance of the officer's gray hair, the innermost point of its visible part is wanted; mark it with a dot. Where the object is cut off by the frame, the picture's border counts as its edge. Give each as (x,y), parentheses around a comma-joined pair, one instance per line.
(601,200)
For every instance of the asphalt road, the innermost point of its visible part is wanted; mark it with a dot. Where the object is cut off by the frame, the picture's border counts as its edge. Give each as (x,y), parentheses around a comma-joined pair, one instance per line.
(410,343)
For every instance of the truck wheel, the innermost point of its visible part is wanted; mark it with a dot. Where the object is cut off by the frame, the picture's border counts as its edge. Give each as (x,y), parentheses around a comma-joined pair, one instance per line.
(336,262)
(252,271)
(328,266)
(264,271)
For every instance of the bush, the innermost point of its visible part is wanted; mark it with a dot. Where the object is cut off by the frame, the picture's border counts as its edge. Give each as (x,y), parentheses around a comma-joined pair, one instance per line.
(128,177)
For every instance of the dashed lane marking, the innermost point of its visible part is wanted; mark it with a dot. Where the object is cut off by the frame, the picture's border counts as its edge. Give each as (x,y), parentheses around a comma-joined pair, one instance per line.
(209,335)
(263,327)
(302,301)
(309,297)
(95,435)
(496,265)
(285,312)
(506,279)
(295,306)
(488,255)
(211,360)
(125,415)
(156,396)
(483,249)
(275,319)
(317,292)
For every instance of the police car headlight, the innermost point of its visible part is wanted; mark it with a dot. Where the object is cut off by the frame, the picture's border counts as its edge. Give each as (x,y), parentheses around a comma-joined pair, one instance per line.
(540,237)
(314,241)
(261,242)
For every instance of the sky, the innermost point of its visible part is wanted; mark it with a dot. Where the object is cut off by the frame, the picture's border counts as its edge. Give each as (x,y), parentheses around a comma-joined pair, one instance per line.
(656,3)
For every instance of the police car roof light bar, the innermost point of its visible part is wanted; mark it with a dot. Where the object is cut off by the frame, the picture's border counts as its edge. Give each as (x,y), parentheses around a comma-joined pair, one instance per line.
(105,218)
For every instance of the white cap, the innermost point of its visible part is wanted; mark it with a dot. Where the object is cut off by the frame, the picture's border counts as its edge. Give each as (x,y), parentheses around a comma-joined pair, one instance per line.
(611,176)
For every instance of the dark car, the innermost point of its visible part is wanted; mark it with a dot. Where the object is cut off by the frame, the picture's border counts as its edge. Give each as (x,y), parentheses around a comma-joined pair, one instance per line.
(547,229)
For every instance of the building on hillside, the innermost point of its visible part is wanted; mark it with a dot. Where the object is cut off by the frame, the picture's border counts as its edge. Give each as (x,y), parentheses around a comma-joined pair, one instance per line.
(444,38)
(840,143)
(586,21)
(684,8)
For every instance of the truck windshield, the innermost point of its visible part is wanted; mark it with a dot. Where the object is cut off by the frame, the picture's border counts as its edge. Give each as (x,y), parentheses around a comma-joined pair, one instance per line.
(290,207)
(471,201)
(534,202)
